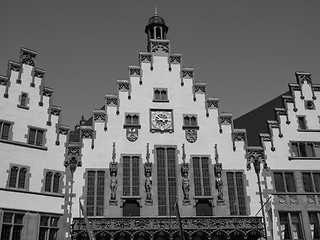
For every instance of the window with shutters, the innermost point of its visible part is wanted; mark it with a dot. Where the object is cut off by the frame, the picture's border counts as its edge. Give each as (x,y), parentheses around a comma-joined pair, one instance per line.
(311,181)
(284,182)
(131,175)
(36,136)
(48,229)
(236,192)
(95,184)
(314,220)
(305,150)
(12,225)
(18,177)
(290,226)
(52,181)
(166,176)
(5,130)
(202,186)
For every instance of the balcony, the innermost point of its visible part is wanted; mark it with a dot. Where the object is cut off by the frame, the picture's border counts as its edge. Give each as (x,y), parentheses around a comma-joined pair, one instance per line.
(165,228)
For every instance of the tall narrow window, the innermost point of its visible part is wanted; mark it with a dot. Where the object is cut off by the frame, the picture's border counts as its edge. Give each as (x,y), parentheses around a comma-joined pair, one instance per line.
(48,180)
(290,225)
(166,175)
(52,182)
(12,224)
(56,183)
(302,122)
(311,181)
(95,192)
(131,175)
(201,176)
(4,130)
(48,227)
(18,177)
(314,219)
(237,202)
(284,182)
(36,137)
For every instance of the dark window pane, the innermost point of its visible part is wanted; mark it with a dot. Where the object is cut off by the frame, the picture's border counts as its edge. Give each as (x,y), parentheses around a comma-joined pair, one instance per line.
(5,131)
(296,226)
(291,187)
(232,193)
(172,186)
(285,226)
(309,150)
(278,179)
(240,194)
(193,121)
(157,95)
(16,233)
(135,176)
(44,221)
(302,123)
(131,208)
(161,174)
(126,176)
(100,193)
(302,150)
(23,101)
(206,177)
(18,218)
(203,208)
(295,150)
(32,136)
(197,177)
(129,119)
(186,121)
(56,182)
(7,217)
(39,139)
(5,233)
(48,180)
(13,177)
(135,119)
(90,193)
(53,234)
(307,182)
(22,178)
(314,225)
(316,178)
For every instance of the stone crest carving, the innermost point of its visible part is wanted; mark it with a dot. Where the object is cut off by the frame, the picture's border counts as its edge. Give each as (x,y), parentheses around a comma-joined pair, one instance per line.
(132,134)
(191,135)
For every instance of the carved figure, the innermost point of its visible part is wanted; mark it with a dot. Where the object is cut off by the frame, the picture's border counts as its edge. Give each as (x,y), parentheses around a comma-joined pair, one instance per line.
(113,188)
(148,187)
(219,184)
(185,187)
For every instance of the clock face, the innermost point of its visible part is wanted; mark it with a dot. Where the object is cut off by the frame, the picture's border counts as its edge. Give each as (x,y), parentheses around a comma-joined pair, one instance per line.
(161,120)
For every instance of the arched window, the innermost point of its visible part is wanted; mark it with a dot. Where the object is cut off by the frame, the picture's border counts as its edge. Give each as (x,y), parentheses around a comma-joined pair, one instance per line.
(22,178)
(13,177)
(56,182)
(48,180)
(158,32)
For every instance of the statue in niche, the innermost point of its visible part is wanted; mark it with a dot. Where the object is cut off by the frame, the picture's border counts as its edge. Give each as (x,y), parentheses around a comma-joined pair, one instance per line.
(113,188)
(148,183)
(219,185)
(185,188)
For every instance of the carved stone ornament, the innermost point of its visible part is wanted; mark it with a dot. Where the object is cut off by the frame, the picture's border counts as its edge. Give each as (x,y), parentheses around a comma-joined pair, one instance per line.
(113,168)
(256,156)
(28,57)
(14,66)
(134,71)
(187,73)
(39,73)
(73,151)
(191,135)
(239,136)
(293,199)
(123,86)
(282,199)
(145,57)
(303,77)
(157,46)
(3,81)
(175,59)
(225,120)
(47,91)
(147,169)
(213,103)
(132,134)
(311,199)
(99,116)
(55,110)
(200,88)
(86,133)
(111,100)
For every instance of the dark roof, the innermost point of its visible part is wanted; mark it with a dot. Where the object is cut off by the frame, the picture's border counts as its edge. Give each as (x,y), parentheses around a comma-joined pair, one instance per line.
(156,21)
(255,121)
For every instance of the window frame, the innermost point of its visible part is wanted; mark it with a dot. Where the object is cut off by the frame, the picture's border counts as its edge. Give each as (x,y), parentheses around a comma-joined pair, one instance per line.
(35,138)
(317,225)
(289,217)
(284,181)
(52,187)
(132,124)
(13,224)
(2,123)
(190,125)
(131,175)
(300,150)
(236,193)
(314,187)
(163,97)
(201,176)
(302,122)
(18,179)
(97,196)
(49,228)
(23,101)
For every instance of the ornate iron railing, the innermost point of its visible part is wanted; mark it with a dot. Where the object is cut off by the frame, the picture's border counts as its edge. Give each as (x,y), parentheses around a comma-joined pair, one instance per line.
(150,227)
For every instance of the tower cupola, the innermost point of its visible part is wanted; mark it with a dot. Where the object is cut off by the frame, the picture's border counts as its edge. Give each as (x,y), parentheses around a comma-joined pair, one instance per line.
(156,28)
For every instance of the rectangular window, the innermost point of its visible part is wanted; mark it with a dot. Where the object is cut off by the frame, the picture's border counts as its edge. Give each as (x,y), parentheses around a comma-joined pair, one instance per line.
(305,149)
(132,119)
(12,224)
(36,137)
(166,176)
(302,122)
(48,227)
(95,192)
(314,219)
(284,182)
(237,202)
(18,177)
(52,181)
(5,130)
(190,120)
(160,95)
(290,226)
(311,181)
(202,185)
(131,175)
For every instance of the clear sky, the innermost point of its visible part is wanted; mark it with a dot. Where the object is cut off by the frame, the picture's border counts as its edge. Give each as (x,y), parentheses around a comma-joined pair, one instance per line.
(246,51)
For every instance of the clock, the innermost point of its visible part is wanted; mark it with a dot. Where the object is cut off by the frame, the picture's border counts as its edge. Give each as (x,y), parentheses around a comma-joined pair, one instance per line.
(161,120)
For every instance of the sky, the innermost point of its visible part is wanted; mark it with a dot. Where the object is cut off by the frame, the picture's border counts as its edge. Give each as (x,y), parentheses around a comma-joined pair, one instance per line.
(246,51)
